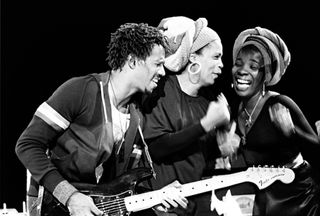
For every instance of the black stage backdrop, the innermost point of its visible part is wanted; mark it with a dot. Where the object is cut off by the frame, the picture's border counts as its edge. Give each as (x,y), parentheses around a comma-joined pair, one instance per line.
(46,42)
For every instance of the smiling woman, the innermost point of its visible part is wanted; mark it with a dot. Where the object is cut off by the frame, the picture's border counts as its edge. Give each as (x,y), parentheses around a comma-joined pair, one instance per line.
(180,120)
(244,81)
(272,126)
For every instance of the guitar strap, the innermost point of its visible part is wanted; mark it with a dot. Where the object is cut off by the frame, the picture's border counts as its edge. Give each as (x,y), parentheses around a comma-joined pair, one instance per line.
(137,150)
(130,138)
(40,198)
(146,150)
(36,203)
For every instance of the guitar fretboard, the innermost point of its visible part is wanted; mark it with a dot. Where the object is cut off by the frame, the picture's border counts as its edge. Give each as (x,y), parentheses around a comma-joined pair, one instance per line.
(212,183)
(150,199)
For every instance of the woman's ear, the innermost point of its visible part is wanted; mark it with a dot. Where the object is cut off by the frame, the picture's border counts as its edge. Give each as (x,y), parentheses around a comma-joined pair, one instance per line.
(192,57)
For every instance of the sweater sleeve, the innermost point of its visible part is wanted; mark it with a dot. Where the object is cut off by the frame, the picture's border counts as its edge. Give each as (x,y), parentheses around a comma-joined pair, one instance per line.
(49,121)
(170,143)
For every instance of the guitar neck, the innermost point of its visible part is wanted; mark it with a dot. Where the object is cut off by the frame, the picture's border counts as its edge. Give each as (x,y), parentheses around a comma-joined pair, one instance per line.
(215,182)
(147,200)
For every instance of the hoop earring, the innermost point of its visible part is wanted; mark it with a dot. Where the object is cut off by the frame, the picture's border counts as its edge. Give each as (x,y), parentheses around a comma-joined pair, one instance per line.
(193,63)
(194,73)
(263,89)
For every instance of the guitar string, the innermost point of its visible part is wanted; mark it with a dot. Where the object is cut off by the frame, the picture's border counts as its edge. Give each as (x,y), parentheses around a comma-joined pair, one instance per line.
(115,205)
(113,201)
(109,203)
(114,210)
(106,206)
(110,208)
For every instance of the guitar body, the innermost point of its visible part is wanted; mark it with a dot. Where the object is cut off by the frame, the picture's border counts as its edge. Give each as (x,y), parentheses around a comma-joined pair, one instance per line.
(108,197)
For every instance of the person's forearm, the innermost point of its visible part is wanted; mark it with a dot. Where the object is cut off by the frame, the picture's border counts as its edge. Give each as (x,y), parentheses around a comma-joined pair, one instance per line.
(63,191)
(304,136)
(31,149)
(174,142)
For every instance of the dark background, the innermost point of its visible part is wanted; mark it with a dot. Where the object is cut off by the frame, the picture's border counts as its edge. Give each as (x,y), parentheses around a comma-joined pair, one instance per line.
(46,42)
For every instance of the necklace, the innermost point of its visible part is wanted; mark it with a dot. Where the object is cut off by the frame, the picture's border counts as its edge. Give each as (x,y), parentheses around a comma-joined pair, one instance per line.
(249,120)
(248,123)
(123,125)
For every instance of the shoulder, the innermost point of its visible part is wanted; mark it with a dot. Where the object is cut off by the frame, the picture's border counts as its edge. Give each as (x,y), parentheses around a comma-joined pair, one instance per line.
(285,100)
(72,91)
(78,85)
(164,92)
(80,81)
(276,97)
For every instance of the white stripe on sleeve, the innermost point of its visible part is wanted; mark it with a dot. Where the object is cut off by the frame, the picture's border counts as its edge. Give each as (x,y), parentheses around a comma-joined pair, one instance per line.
(52,117)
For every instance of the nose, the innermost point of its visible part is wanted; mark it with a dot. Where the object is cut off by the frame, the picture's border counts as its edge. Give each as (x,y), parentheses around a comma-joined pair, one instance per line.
(221,63)
(220,67)
(242,70)
(161,72)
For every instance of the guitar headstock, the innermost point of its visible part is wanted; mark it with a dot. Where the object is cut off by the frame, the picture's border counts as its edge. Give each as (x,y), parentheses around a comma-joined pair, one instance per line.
(265,176)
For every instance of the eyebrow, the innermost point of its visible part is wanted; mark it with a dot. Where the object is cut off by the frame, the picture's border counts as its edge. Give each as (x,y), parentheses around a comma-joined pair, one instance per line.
(159,60)
(253,60)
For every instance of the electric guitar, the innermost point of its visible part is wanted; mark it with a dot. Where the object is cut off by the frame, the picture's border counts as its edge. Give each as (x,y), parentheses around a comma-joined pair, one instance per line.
(117,198)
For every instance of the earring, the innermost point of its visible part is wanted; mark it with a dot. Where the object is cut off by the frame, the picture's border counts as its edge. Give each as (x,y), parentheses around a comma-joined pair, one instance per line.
(263,89)
(192,64)
(194,73)
(231,85)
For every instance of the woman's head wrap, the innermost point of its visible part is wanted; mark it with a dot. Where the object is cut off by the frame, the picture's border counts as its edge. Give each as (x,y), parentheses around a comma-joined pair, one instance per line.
(274,51)
(185,36)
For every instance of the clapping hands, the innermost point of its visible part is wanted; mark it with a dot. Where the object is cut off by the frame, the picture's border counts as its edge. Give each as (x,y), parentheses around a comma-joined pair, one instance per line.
(218,114)
(280,116)
(228,142)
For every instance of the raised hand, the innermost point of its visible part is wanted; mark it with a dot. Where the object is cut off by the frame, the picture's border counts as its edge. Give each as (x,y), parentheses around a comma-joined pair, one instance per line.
(228,141)
(280,116)
(218,114)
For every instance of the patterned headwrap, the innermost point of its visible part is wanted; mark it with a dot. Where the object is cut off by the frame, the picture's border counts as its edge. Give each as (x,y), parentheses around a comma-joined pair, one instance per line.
(274,51)
(185,36)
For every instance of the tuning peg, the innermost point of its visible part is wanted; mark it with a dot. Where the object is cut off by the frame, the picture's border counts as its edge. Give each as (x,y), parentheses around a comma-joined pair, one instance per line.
(259,166)
(271,168)
(279,169)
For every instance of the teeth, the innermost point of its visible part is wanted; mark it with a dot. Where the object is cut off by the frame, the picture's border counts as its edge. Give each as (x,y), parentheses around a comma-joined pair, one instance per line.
(242,87)
(241,81)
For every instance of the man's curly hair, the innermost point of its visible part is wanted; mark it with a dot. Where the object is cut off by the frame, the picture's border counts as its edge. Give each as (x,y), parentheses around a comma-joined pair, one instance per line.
(133,39)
